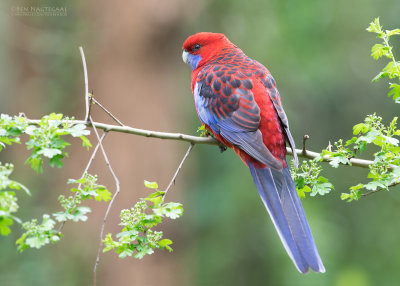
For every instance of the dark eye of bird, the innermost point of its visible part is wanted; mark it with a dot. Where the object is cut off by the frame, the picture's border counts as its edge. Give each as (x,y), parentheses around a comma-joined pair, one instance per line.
(196,47)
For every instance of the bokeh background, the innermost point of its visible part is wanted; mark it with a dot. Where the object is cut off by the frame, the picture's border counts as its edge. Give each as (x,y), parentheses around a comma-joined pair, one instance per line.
(319,54)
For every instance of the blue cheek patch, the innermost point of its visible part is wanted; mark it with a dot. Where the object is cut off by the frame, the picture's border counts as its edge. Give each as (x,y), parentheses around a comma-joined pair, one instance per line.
(194,60)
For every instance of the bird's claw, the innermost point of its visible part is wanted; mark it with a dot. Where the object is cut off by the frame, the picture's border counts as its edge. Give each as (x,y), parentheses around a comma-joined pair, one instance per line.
(222,147)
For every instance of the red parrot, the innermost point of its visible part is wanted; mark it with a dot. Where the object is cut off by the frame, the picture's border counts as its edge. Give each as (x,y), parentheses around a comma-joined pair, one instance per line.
(237,100)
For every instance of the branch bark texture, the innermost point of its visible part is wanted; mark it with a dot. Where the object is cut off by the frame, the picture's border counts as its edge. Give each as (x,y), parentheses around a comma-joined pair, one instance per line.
(304,153)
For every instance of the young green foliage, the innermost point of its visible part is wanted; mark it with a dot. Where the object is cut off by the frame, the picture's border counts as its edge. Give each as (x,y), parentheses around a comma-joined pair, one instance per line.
(392,69)
(10,129)
(8,198)
(45,140)
(307,179)
(203,131)
(137,237)
(89,188)
(385,170)
(37,235)
(341,155)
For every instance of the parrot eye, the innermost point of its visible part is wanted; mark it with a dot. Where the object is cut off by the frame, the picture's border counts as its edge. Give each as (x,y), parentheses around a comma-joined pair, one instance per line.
(196,47)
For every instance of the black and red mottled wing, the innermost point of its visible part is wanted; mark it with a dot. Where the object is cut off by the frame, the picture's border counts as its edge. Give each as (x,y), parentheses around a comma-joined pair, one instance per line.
(225,102)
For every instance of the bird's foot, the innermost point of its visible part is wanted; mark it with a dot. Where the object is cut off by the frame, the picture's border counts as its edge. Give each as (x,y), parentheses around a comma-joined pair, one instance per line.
(222,147)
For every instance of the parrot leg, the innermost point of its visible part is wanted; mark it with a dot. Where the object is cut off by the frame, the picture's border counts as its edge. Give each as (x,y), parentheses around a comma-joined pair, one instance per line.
(222,147)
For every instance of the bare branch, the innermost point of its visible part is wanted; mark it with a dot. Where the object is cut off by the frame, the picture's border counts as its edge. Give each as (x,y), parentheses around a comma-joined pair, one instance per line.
(108,112)
(86,83)
(111,202)
(305,137)
(378,190)
(142,132)
(199,140)
(177,170)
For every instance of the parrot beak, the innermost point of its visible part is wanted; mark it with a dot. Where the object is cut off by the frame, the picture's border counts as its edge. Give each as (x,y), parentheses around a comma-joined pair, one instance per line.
(185,56)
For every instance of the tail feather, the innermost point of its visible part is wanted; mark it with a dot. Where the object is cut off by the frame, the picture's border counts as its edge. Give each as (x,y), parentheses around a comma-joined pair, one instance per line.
(280,198)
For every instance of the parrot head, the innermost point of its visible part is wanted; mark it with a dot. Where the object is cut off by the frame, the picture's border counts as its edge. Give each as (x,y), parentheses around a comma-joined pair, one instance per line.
(201,47)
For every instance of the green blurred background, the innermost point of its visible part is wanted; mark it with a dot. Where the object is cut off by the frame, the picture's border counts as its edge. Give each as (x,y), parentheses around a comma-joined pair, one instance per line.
(319,54)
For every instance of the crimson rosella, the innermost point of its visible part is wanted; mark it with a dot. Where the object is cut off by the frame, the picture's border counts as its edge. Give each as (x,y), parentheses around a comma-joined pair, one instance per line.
(237,100)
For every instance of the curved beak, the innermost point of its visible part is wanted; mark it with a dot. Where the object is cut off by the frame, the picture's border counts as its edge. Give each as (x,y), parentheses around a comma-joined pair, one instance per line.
(185,56)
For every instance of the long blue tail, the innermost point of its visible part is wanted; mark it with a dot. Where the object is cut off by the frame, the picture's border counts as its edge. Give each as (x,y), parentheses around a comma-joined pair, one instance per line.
(280,197)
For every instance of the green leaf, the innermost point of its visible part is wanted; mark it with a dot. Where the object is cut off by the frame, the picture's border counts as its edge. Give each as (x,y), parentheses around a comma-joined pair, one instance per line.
(395,91)
(80,214)
(37,241)
(126,252)
(361,127)
(151,185)
(380,75)
(302,191)
(321,188)
(165,243)
(375,27)
(55,116)
(336,161)
(142,253)
(372,186)
(172,210)
(5,222)
(63,216)
(379,50)
(393,32)
(78,130)
(102,194)
(85,142)
(155,200)
(56,161)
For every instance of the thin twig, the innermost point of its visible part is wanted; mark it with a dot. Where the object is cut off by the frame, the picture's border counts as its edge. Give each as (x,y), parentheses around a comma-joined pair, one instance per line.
(108,112)
(117,189)
(86,84)
(90,102)
(177,171)
(380,189)
(305,137)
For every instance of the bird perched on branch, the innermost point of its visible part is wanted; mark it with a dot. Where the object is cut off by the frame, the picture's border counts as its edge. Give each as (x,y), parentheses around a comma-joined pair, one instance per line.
(237,100)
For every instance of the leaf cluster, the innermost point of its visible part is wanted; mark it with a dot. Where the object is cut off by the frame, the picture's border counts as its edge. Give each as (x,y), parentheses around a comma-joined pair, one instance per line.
(340,155)
(45,140)
(10,129)
(8,198)
(385,170)
(307,179)
(203,131)
(137,237)
(384,49)
(37,235)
